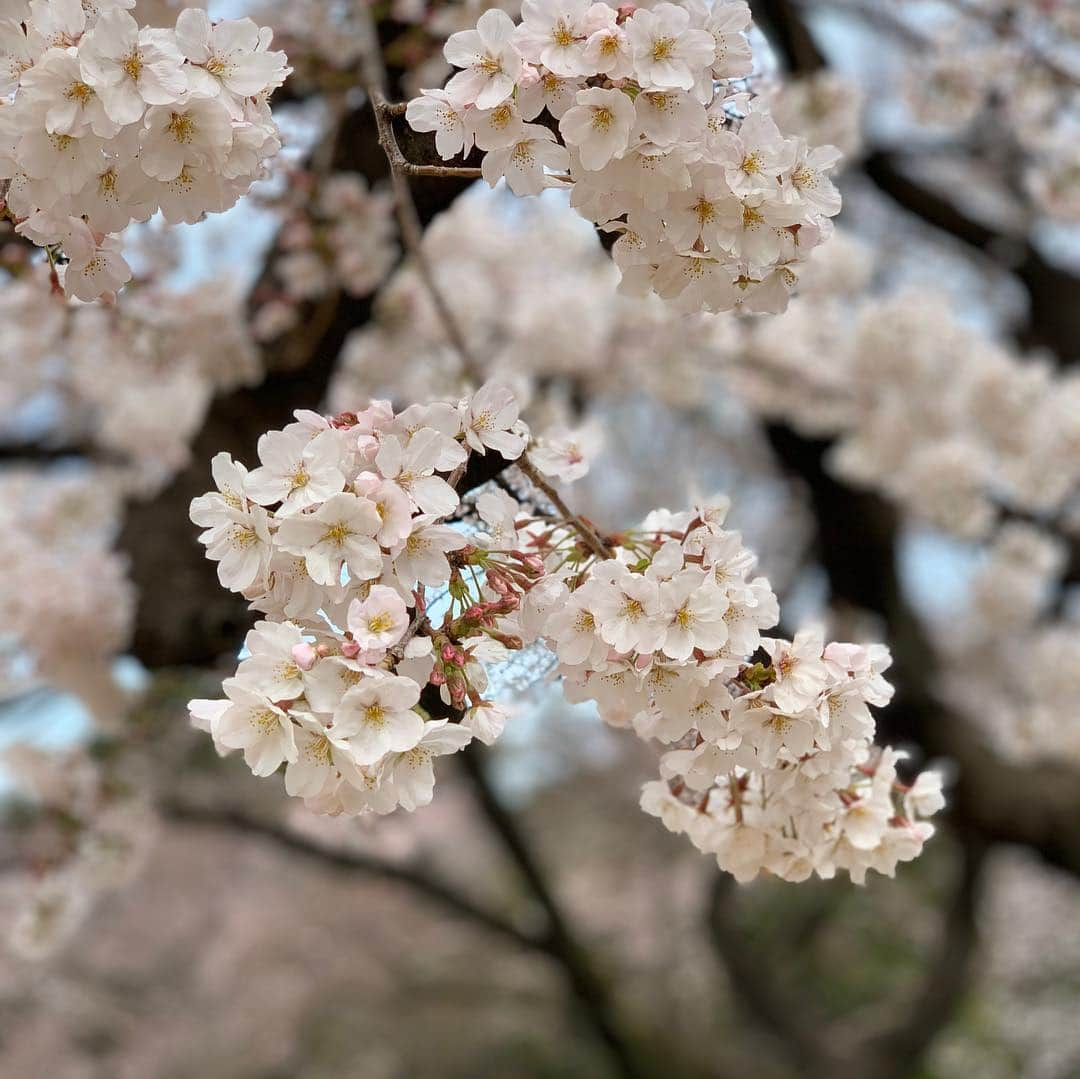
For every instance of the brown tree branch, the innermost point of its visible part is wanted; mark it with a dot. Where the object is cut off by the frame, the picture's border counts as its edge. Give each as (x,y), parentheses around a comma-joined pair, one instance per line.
(421,881)
(766,1002)
(898,1053)
(375,84)
(587,533)
(588,986)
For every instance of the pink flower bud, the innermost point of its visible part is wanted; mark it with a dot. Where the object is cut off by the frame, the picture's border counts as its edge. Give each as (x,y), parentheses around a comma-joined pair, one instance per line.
(350,649)
(534,563)
(458,687)
(499,582)
(304,655)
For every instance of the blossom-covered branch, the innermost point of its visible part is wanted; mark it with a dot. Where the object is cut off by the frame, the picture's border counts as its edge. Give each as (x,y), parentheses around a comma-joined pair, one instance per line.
(110,122)
(645,112)
(373,603)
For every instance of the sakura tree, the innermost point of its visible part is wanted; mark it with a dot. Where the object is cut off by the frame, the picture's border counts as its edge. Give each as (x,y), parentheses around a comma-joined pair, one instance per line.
(390,412)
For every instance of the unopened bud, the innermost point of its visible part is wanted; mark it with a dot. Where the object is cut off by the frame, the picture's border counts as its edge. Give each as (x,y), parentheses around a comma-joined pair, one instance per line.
(304,655)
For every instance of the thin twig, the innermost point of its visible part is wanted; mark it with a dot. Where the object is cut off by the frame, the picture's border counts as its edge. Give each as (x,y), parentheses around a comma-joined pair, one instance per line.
(579,524)
(373,74)
(456,172)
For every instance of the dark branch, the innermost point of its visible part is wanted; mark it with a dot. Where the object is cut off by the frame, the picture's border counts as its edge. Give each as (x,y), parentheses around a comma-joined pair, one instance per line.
(898,1052)
(419,880)
(590,988)
(765,1001)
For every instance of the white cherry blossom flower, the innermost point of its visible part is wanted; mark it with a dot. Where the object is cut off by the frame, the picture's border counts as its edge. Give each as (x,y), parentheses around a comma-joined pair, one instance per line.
(553,33)
(566,455)
(421,558)
(489,419)
(229,58)
(492,65)
(131,68)
(379,621)
(598,126)
(95,267)
(262,730)
(192,131)
(377,717)
(411,775)
(71,107)
(523,163)
(338,534)
(668,53)
(296,471)
(321,755)
(436,110)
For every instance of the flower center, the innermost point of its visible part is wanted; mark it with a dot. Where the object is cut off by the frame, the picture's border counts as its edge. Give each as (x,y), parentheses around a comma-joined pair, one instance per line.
(300,477)
(561,35)
(751,217)
(79,91)
(181,126)
(603,118)
(133,65)
(264,719)
(751,164)
(663,49)
(337,534)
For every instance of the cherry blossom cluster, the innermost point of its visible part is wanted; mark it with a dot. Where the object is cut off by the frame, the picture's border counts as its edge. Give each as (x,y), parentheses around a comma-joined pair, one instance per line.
(1013,662)
(548,325)
(107,374)
(85,835)
(381,618)
(339,539)
(339,234)
(1020,688)
(771,764)
(110,121)
(115,370)
(951,424)
(72,614)
(639,110)
(823,107)
(998,64)
(954,427)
